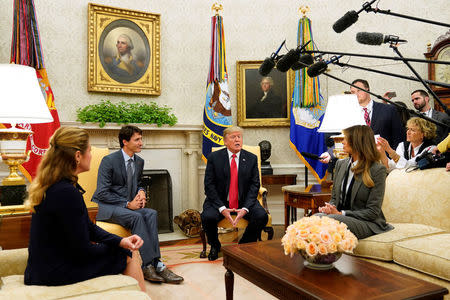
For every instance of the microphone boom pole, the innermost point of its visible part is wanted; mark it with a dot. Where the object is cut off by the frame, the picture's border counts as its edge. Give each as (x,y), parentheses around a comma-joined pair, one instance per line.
(427,86)
(442,84)
(442,62)
(390,102)
(388,12)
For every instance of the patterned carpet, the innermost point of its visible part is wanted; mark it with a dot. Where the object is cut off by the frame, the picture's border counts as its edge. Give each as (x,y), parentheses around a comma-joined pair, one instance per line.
(202,279)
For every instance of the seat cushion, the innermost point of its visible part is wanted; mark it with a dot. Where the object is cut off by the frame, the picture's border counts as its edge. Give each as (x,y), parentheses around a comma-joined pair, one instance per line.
(114,228)
(428,254)
(14,288)
(114,295)
(380,246)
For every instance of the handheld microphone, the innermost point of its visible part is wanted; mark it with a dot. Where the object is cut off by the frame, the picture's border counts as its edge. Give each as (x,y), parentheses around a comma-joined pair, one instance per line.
(321,66)
(303,62)
(269,62)
(350,18)
(285,63)
(375,38)
(310,155)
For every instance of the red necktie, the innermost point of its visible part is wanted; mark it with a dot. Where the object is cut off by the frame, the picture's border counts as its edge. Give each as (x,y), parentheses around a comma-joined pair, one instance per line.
(366,116)
(233,192)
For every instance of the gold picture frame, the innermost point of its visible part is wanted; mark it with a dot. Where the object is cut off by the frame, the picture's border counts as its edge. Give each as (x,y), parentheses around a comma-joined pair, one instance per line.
(123,51)
(256,108)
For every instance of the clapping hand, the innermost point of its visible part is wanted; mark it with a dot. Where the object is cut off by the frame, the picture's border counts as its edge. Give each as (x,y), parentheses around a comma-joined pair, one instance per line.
(132,243)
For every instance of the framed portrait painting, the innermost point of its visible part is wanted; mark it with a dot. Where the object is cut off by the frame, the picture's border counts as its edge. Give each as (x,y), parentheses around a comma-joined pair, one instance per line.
(263,100)
(123,51)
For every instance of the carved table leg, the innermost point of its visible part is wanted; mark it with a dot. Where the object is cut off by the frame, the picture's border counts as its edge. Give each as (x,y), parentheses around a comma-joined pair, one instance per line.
(229,284)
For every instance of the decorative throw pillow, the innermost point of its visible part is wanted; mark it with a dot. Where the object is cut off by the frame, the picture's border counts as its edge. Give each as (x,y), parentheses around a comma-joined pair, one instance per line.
(189,222)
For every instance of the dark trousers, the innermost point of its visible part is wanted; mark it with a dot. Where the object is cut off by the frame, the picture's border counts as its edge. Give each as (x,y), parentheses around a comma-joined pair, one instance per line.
(256,217)
(144,223)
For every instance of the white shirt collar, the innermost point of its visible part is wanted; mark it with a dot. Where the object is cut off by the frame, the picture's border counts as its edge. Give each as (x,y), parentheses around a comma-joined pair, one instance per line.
(369,106)
(231,153)
(125,156)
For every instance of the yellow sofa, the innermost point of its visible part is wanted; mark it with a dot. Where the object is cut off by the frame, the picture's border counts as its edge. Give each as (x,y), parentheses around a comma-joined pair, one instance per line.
(417,204)
(12,268)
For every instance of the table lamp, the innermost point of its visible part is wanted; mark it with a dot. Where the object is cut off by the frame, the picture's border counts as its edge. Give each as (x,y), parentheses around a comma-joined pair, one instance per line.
(21,101)
(342,111)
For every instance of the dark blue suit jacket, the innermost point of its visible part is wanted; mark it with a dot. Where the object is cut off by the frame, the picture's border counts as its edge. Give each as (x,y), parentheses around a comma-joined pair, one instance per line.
(61,249)
(217,179)
(112,188)
(386,122)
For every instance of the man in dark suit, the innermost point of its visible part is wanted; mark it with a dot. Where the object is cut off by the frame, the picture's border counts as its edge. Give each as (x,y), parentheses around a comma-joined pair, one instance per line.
(421,102)
(382,118)
(121,199)
(231,187)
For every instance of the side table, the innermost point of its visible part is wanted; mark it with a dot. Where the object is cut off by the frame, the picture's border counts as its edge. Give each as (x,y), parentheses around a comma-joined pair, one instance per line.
(309,198)
(285,179)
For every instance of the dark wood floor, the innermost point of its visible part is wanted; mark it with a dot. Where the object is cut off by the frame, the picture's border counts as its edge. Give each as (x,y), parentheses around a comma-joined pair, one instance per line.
(278,234)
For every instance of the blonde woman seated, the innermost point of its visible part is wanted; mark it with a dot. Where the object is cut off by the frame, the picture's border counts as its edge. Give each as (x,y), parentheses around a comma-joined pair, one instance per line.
(359,184)
(65,246)
(419,139)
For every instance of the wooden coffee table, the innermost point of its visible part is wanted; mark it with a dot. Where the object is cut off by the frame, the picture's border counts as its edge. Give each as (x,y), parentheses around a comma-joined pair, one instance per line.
(265,265)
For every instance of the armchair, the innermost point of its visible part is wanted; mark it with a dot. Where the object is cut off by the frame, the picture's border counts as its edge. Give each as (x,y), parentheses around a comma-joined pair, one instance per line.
(262,194)
(88,180)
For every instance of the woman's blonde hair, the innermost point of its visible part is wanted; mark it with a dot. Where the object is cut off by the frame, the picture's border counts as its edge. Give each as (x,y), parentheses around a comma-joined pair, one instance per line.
(362,141)
(427,128)
(58,162)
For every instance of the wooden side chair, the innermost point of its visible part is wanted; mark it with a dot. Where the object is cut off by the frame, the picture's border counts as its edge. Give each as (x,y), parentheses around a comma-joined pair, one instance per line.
(88,181)
(262,194)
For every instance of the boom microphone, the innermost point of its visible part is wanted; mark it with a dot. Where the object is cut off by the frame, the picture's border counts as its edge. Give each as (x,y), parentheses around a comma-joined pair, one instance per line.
(375,38)
(269,62)
(346,21)
(350,18)
(310,155)
(304,61)
(285,63)
(321,66)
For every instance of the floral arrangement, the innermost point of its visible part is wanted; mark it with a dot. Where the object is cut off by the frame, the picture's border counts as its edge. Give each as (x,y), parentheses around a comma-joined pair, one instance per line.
(316,236)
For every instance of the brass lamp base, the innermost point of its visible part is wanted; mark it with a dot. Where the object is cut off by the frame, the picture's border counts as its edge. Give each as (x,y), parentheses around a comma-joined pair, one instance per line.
(338,150)
(13,143)
(14,161)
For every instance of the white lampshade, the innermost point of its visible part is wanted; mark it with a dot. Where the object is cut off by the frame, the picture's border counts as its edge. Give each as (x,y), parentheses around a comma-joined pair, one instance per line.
(21,100)
(342,111)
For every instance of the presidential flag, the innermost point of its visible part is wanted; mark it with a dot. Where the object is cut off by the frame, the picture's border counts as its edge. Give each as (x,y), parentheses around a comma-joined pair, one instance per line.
(307,110)
(217,112)
(26,50)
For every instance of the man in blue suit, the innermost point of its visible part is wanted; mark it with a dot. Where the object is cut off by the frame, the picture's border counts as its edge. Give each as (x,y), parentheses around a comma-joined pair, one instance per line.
(382,118)
(121,199)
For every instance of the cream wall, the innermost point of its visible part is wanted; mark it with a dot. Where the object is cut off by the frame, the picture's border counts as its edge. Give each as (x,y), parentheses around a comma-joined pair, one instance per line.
(253,30)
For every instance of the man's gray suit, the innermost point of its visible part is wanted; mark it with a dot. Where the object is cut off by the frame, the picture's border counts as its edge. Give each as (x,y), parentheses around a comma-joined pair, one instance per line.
(365,216)
(111,196)
(441,132)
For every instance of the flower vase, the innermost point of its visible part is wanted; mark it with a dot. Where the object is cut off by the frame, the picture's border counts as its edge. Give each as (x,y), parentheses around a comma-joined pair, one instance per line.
(319,261)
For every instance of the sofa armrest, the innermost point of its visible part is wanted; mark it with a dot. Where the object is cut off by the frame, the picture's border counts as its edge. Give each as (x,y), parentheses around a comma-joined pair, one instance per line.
(13,262)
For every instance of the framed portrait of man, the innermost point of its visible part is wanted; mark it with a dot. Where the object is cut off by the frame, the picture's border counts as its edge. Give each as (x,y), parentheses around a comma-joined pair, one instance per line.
(124,51)
(262,100)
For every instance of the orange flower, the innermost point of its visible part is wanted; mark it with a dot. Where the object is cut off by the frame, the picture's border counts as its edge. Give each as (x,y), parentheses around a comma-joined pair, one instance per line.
(311,249)
(322,249)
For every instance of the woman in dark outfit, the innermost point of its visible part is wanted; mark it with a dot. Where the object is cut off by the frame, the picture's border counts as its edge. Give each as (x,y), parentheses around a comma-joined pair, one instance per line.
(65,246)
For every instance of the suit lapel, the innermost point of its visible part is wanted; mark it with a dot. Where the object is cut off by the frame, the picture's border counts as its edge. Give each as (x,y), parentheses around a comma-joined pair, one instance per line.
(375,116)
(226,167)
(122,169)
(356,185)
(340,178)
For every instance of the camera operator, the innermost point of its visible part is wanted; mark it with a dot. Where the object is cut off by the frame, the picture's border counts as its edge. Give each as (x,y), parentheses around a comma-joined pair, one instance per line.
(444,147)
(419,139)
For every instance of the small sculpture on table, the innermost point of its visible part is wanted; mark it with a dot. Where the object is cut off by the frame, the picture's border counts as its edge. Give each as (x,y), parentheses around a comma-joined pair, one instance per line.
(266,148)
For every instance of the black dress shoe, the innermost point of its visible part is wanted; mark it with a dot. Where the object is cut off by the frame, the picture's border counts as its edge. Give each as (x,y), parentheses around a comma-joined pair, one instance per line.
(151,275)
(169,276)
(214,253)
